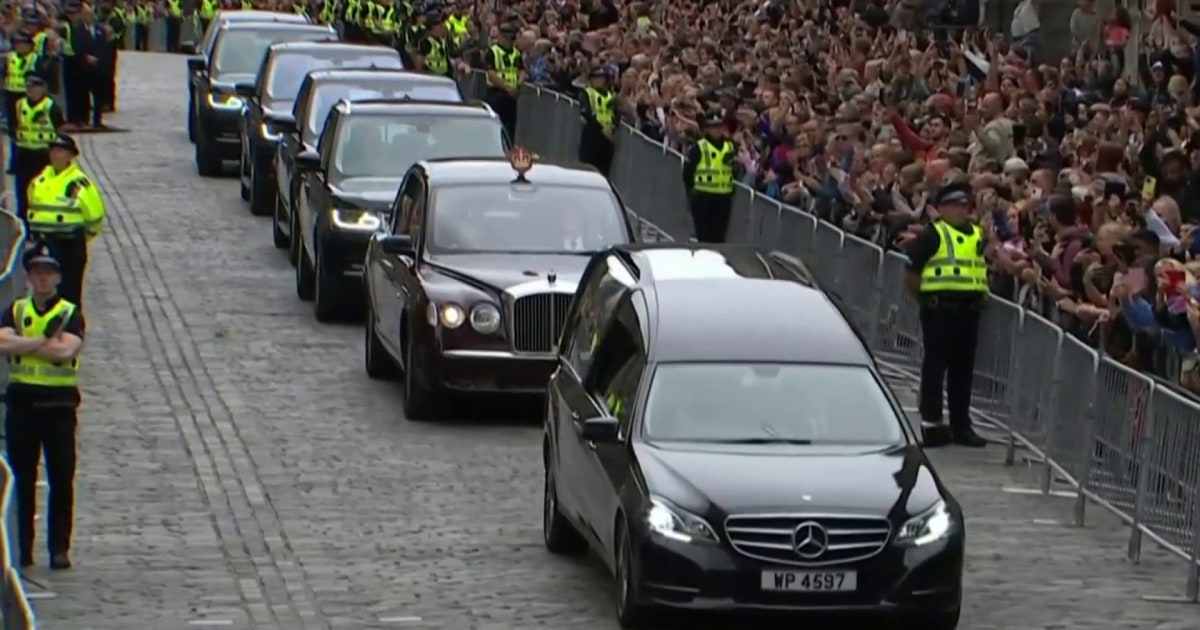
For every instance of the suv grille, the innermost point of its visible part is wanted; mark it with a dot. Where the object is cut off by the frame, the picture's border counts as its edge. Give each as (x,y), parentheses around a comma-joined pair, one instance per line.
(537,320)
(807,540)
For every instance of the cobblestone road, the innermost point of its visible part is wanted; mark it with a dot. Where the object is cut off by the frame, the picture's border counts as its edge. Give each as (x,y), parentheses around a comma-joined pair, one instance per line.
(239,470)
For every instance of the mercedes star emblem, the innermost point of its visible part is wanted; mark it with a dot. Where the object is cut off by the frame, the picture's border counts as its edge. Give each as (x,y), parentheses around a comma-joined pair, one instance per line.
(810,540)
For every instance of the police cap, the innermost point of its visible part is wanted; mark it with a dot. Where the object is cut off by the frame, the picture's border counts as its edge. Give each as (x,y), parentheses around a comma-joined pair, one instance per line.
(22,37)
(63,141)
(957,192)
(508,28)
(72,6)
(40,254)
(714,119)
(35,78)
(599,72)
(433,16)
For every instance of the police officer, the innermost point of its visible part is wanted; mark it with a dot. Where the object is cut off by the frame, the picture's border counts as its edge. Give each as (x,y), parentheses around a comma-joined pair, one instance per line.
(505,74)
(174,24)
(458,25)
(38,121)
(118,21)
(66,211)
(598,107)
(143,15)
(22,62)
(433,52)
(708,174)
(947,273)
(42,335)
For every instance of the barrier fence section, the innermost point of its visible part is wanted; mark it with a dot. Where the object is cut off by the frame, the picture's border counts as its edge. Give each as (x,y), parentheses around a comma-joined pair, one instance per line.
(15,610)
(1117,437)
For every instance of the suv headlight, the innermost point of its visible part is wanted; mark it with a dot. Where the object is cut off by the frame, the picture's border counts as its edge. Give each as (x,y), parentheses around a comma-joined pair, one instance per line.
(932,525)
(485,319)
(267,133)
(224,101)
(355,220)
(672,523)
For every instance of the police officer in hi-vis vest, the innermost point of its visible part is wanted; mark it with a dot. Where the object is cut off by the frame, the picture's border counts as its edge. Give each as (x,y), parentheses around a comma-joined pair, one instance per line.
(505,74)
(22,61)
(67,212)
(709,175)
(207,11)
(38,122)
(947,272)
(42,335)
(143,16)
(598,107)
(174,24)
(434,52)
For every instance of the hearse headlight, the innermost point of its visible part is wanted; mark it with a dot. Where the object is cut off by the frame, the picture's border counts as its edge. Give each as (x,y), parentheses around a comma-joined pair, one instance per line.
(932,525)
(355,220)
(485,319)
(672,523)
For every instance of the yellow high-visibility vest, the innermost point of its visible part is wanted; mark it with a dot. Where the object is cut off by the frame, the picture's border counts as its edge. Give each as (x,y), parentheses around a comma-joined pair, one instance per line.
(959,264)
(18,66)
(714,173)
(35,129)
(31,370)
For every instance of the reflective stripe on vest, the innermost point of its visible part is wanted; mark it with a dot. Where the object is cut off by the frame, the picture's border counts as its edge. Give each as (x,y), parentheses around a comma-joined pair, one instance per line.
(18,66)
(35,129)
(602,106)
(436,59)
(959,264)
(32,370)
(714,173)
(51,210)
(505,64)
(68,49)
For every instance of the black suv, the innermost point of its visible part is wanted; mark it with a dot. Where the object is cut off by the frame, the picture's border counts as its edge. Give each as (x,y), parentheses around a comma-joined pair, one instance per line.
(216,108)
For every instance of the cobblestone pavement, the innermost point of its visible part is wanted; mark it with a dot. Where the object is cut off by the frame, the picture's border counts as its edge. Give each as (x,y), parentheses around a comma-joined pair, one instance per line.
(238,468)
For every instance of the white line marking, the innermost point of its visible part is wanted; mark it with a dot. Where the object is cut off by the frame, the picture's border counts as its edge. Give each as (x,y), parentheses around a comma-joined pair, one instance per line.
(1054,493)
(210,622)
(1046,521)
(400,619)
(41,595)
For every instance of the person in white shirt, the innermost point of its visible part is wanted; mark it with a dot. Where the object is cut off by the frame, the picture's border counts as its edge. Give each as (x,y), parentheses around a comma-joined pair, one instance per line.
(1026,26)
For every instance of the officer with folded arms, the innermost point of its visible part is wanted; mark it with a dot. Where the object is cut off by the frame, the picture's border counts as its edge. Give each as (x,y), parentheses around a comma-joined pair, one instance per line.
(947,273)
(598,108)
(42,336)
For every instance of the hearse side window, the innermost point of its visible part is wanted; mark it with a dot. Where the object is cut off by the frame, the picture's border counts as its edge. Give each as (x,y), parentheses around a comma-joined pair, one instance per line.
(617,347)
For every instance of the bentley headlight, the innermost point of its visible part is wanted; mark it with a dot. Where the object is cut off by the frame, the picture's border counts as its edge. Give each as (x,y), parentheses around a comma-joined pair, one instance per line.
(224,101)
(672,523)
(267,133)
(930,526)
(485,319)
(452,315)
(355,220)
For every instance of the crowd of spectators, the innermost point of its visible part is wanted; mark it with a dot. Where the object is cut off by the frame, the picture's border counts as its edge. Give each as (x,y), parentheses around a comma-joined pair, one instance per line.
(1086,174)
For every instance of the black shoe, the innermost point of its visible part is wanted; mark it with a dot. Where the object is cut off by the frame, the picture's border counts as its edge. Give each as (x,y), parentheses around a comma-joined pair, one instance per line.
(26,561)
(935,434)
(969,438)
(59,561)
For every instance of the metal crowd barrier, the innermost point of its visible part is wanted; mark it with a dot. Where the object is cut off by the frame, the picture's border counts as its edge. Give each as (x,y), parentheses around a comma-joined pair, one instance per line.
(1116,437)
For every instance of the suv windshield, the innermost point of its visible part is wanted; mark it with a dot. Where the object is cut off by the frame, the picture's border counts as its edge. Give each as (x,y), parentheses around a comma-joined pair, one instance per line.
(241,51)
(328,96)
(287,70)
(766,402)
(386,145)
(525,218)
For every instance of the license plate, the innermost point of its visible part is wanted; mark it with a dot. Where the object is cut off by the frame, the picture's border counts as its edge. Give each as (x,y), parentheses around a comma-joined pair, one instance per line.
(810,581)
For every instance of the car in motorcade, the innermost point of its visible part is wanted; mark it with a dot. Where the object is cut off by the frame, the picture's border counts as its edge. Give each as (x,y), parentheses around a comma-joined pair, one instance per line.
(346,194)
(469,282)
(319,92)
(717,432)
(274,93)
(236,57)
(200,53)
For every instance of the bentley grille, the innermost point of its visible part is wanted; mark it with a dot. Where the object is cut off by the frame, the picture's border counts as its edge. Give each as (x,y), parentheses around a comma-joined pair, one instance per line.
(537,320)
(803,540)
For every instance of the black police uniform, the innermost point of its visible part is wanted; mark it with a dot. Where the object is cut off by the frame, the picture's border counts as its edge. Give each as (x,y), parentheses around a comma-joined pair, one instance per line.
(950,333)
(42,419)
(429,44)
(28,161)
(80,76)
(595,146)
(710,206)
(108,87)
